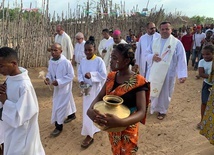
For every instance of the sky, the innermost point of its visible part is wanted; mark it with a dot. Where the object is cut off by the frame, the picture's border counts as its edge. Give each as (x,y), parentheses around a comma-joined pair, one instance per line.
(186,7)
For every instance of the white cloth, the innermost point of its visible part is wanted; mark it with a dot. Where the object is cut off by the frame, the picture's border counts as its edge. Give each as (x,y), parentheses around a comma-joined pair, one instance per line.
(144,42)
(177,66)
(108,54)
(209,30)
(98,73)
(67,47)
(207,68)
(79,51)
(63,101)
(197,38)
(165,53)
(20,117)
(104,43)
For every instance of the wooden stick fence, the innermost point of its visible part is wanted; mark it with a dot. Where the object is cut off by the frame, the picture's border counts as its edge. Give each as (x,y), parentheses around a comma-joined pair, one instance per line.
(32,35)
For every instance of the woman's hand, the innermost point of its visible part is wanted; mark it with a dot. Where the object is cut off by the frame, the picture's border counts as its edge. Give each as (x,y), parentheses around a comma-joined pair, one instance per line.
(109,121)
(96,116)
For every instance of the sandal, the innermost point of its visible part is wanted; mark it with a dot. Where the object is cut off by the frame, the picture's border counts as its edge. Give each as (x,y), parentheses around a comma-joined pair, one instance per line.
(86,143)
(161,116)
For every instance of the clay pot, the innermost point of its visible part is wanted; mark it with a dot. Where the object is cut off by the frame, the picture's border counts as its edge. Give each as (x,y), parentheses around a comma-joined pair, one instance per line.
(112,104)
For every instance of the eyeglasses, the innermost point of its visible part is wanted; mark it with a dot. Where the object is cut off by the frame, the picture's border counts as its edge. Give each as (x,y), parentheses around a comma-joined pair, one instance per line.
(152,28)
(78,38)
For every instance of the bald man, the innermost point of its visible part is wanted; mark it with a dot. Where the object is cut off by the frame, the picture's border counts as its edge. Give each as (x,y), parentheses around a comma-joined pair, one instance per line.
(117,40)
(65,41)
(60,75)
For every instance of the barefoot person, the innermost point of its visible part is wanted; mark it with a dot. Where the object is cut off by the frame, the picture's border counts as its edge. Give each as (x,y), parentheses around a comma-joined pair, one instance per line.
(166,58)
(92,71)
(20,108)
(133,89)
(60,75)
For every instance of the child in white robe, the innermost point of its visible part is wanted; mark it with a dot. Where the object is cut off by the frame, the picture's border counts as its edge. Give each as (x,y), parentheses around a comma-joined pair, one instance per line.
(92,71)
(61,74)
(20,108)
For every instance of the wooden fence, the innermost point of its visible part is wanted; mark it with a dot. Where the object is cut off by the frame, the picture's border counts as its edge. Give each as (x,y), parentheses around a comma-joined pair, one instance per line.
(32,36)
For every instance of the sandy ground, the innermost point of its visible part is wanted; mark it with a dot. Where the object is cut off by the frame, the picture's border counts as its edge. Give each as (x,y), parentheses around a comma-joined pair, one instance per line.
(175,135)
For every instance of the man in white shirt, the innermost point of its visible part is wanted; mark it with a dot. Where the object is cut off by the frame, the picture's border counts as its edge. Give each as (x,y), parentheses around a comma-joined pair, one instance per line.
(198,37)
(104,43)
(65,41)
(144,42)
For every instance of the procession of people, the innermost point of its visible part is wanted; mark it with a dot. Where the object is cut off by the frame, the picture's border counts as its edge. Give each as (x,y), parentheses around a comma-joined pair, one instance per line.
(142,73)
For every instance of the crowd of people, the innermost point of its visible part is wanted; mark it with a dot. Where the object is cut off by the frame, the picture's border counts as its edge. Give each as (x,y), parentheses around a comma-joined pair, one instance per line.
(139,70)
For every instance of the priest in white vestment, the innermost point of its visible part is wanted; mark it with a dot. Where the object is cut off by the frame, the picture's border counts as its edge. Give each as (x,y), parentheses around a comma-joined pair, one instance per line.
(65,41)
(92,71)
(61,74)
(104,43)
(166,59)
(79,49)
(117,40)
(144,42)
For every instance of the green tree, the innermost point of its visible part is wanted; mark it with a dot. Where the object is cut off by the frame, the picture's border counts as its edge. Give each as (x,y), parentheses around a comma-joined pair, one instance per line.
(13,14)
(9,13)
(198,19)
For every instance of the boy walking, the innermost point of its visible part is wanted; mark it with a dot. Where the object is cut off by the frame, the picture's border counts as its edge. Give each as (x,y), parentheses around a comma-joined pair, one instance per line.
(20,108)
(61,74)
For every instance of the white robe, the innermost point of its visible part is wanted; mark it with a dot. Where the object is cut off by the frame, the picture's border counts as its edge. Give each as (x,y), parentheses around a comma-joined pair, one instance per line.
(104,43)
(20,117)
(1,132)
(79,51)
(63,101)
(67,47)
(178,66)
(97,70)
(108,54)
(144,42)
